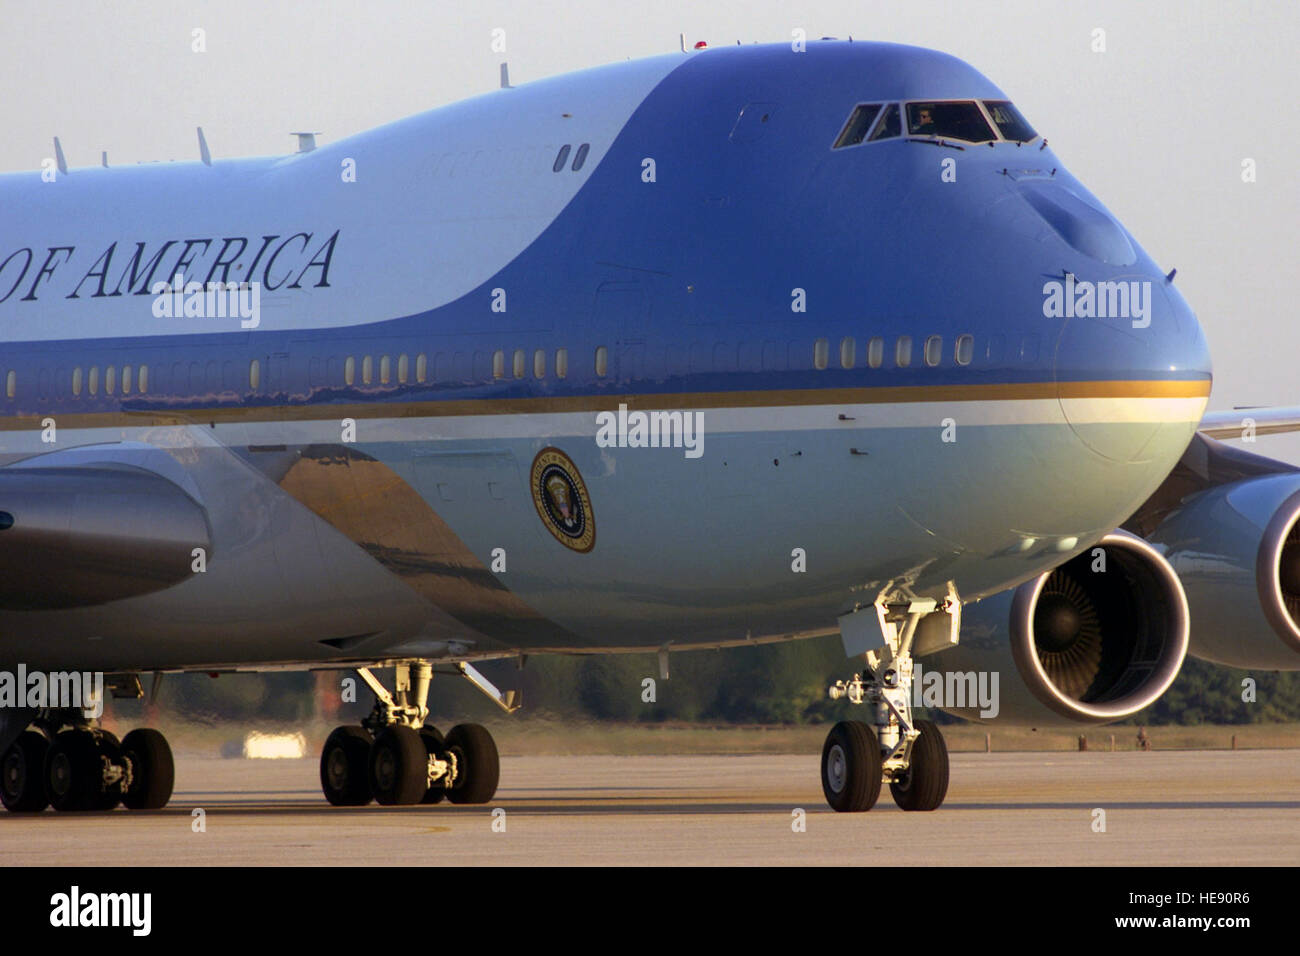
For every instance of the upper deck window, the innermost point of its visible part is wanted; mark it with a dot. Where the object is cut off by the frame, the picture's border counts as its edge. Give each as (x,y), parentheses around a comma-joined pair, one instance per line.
(960,119)
(855,130)
(1009,122)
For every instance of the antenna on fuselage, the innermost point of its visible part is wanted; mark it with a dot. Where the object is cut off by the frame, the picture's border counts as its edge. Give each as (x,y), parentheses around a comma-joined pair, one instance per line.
(505,77)
(58,156)
(103,158)
(204,154)
(681,41)
(306,141)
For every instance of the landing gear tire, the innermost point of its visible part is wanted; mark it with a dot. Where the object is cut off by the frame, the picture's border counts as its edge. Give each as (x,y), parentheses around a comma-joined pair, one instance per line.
(399,766)
(925,782)
(153,772)
(22,773)
(478,764)
(345,767)
(72,771)
(851,767)
(433,744)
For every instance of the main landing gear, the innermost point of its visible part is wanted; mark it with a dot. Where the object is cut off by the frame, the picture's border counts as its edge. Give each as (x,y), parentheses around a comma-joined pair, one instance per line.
(393,758)
(909,754)
(63,761)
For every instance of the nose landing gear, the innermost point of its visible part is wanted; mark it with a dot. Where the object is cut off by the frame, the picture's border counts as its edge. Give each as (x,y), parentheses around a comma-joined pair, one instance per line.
(909,754)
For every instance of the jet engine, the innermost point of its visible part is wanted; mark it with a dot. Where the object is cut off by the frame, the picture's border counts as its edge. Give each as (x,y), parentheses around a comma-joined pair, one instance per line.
(1236,548)
(1094,640)
(81,536)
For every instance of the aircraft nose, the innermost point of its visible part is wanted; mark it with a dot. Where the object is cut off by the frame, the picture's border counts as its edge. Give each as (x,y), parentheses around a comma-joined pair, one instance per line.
(1132,368)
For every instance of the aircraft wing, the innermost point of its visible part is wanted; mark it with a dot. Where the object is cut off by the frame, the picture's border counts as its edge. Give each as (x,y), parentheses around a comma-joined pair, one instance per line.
(1267,420)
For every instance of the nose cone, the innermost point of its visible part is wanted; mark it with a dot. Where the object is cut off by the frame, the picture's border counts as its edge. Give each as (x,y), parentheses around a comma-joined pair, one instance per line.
(1132,367)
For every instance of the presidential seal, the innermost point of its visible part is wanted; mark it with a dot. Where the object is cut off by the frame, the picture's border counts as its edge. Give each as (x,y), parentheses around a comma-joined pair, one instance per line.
(562,501)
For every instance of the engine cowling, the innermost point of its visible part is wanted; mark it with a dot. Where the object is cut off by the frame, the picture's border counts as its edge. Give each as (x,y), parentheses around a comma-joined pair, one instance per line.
(1075,645)
(1236,548)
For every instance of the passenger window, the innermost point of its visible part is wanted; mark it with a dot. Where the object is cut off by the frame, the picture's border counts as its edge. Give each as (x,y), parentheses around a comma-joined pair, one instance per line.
(561,159)
(954,120)
(848,352)
(876,352)
(255,374)
(76,381)
(385,369)
(539,363)
(965,349)
(11,383)
(855,130)
(561,363)
(367,370)
(499,364)
(421,368)
(903,351)
(602,361)
(144,379)
(126,379)
(581,156)
(934,350)
(821,353)
(403,369)
(517,365)
(889,126)
(92,384)
(110,379)
(350,371)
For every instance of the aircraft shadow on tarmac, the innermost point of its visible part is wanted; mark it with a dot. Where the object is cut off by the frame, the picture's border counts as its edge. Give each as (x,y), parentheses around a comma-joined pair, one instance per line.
(598,805)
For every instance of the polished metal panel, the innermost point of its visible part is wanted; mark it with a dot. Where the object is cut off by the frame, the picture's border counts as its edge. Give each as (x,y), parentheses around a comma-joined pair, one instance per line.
(88,535)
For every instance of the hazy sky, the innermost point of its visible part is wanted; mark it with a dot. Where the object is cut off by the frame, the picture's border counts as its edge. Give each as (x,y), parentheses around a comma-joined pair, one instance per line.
(1157,126)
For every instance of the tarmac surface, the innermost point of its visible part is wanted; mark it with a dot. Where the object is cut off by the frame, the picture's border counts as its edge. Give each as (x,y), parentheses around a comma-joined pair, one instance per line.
(1160,808)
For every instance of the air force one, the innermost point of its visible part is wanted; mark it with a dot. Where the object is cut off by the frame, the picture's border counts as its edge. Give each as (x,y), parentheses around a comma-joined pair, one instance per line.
(701,351)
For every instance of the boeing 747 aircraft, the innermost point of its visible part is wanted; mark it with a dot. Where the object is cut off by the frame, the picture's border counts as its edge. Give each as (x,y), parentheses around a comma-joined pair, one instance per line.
(699,351)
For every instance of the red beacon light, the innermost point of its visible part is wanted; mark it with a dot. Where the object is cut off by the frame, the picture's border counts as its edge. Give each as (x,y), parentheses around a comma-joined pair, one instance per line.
(700,45)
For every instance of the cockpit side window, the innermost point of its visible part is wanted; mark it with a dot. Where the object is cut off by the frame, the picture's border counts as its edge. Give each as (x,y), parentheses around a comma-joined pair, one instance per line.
(1009,122)
(855,130)
(889,126)
(960,119)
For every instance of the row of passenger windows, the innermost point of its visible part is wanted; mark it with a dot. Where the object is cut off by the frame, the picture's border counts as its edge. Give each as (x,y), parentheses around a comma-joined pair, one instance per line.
(382,372)
(931,351)
(90,380)
(517,364)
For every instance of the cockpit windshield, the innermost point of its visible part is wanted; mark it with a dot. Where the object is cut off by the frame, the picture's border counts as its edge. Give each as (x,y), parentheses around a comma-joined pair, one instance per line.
(959,119)
(942,120)
(1010,123)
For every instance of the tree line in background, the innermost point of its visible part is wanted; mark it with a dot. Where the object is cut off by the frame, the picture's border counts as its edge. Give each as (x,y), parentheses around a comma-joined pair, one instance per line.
(772,684)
